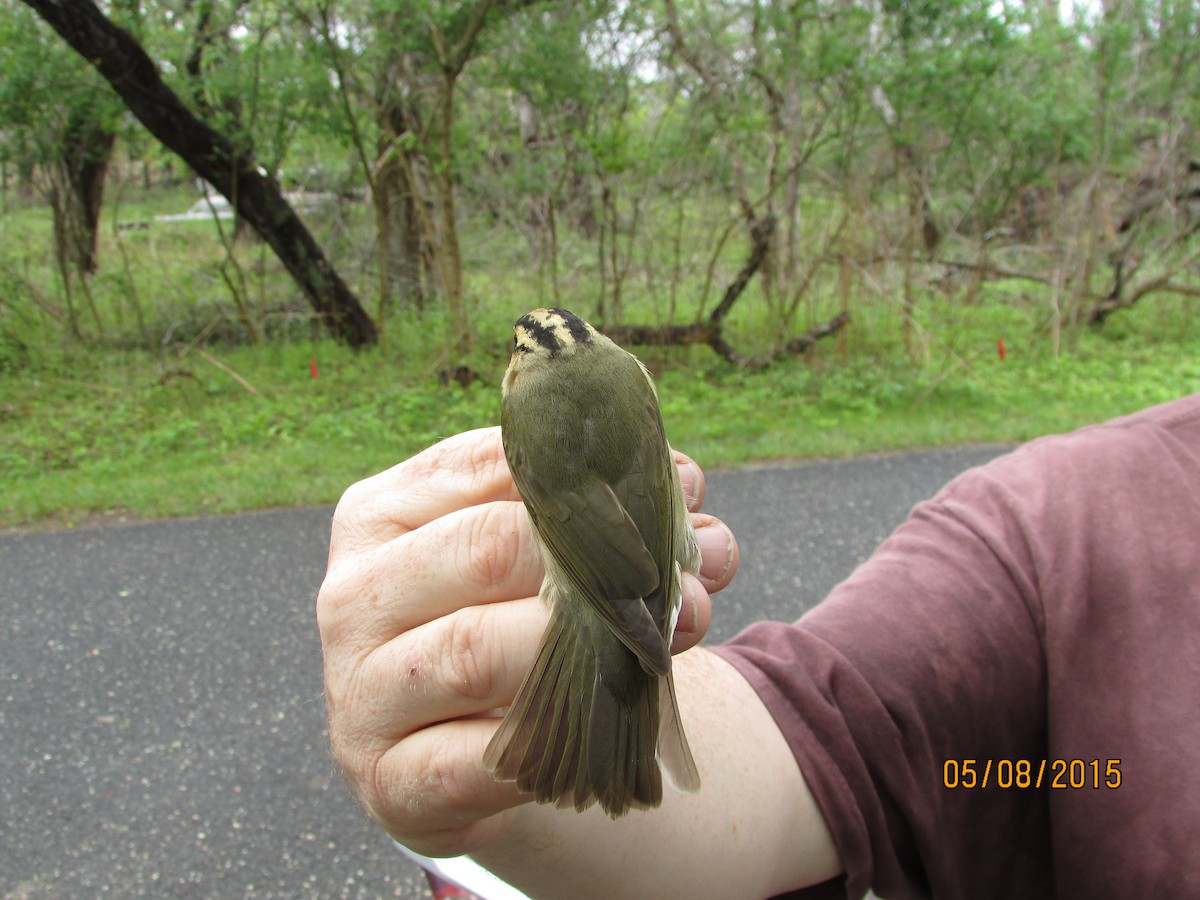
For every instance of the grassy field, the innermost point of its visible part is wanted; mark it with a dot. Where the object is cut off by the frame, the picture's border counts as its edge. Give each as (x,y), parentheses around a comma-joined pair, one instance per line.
(102,430)
(131,435)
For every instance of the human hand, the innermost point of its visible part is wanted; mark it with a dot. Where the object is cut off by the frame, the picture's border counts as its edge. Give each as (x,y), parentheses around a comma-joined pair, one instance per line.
(430,619)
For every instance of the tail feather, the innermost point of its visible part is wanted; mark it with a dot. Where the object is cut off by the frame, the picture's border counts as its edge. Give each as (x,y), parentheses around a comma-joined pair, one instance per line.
(620,748)
(538,744)
(673,751)
(572,739)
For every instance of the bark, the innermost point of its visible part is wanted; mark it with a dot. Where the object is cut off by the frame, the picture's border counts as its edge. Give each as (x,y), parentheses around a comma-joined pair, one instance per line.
(1117,298)
(452,60)
(711,331)
(118,57)
(229,106)
(399,232)
(713,335)
(76,191)
(79,172)
(396,194)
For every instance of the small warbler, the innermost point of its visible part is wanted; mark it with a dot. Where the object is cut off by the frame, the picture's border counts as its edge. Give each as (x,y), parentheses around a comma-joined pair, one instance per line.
(584,440)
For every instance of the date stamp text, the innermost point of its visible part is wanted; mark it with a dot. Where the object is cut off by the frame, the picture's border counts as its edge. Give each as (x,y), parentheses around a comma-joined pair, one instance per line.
(1024,774)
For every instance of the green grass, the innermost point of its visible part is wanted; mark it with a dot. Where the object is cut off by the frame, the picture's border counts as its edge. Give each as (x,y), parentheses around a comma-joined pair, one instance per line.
(131,434)
(163,409)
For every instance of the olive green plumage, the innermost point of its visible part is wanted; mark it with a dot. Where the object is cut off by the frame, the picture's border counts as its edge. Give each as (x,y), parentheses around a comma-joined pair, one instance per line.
(584,440)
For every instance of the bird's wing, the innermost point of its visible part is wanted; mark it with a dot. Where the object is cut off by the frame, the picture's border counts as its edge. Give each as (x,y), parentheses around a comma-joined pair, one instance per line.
(592,540)
(649,490)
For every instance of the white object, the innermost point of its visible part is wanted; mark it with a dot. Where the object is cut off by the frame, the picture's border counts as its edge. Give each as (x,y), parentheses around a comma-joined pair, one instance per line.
(468,875)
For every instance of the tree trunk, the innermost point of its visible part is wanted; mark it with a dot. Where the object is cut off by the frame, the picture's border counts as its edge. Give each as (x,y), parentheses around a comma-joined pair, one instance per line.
(396,198)
(399,233)
(255,196)
(76,190)
(450,251)
(83,160)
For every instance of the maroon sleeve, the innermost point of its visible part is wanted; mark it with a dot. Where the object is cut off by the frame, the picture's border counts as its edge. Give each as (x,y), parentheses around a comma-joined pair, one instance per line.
(1045,605)
(928,653)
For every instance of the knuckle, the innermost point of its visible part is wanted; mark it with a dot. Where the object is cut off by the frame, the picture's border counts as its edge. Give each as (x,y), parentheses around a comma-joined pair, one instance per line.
(420,794)
(489,551)
(352,499)
(468,653)
(356,520)
(473,454)
(331,598)
(353,507)
(343,595)
(361,765)
(442,777)
(476,452)
(353,742)
(492,544)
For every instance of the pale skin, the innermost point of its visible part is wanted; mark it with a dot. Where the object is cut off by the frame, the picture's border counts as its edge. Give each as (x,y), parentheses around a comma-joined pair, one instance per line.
(429,619)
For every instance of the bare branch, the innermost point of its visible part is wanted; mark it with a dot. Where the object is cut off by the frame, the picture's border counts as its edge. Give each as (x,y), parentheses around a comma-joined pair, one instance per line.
(711,331)
(232,170)
(1162,282)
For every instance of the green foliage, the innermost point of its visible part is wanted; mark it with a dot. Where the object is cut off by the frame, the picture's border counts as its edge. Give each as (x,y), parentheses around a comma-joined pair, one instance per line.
(42,84)
(205,431)
(949,172)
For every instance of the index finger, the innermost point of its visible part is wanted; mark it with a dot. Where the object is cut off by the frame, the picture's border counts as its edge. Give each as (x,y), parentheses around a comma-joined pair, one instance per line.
(465,470)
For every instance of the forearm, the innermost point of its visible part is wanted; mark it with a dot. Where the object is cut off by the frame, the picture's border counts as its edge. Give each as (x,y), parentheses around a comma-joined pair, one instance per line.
(753,830)
(429,620)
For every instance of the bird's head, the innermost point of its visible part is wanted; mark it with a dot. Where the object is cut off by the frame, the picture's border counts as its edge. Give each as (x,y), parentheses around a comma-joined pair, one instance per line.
(546,338)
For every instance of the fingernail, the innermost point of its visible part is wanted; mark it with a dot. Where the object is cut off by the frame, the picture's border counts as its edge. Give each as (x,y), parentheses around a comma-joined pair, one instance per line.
(716,550)
(689,477)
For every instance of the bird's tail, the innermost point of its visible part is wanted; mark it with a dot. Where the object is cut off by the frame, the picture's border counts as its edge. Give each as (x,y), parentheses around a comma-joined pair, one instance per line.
(572,738)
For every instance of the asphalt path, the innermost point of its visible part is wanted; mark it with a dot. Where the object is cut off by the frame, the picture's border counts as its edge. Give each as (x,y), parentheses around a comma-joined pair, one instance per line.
(162,728)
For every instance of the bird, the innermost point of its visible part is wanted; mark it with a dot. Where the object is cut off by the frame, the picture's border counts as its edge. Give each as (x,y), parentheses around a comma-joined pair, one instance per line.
(596,719)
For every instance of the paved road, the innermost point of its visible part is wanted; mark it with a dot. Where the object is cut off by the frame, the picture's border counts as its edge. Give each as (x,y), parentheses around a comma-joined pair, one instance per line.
(161,721)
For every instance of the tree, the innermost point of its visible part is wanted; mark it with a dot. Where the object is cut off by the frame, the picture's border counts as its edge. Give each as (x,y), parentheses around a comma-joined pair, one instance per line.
(403,63)
(232,171)
(60,123)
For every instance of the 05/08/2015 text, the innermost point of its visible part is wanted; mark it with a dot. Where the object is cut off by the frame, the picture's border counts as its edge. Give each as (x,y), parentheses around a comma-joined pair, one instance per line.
(1022,774)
